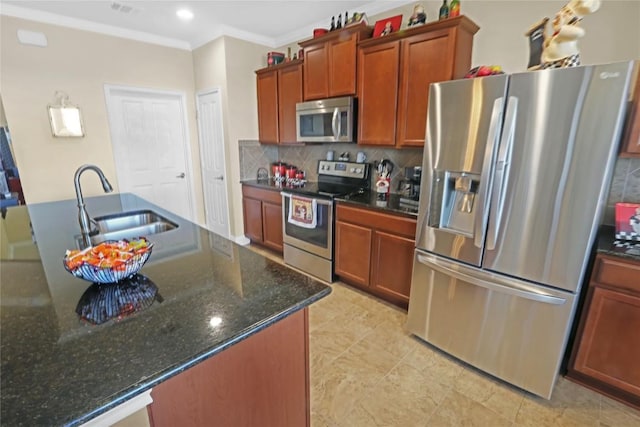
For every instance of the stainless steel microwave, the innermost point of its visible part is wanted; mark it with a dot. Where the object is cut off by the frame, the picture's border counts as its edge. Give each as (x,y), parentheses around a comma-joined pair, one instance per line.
(326,120)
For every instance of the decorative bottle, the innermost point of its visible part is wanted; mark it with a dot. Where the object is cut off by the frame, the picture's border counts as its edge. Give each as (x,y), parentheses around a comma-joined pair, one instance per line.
(333,23)
(346,18)
(339,24)
(454,9)
(444,10)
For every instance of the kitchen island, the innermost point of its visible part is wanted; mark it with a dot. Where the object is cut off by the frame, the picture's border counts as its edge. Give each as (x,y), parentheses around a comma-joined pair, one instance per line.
(213,297)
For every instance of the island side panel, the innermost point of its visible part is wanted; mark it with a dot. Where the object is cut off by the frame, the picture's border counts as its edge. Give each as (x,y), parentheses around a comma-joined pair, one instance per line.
(263,380)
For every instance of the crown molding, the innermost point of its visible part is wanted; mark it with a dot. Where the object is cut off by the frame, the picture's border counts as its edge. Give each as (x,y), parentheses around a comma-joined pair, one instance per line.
(225,30)
(80,24)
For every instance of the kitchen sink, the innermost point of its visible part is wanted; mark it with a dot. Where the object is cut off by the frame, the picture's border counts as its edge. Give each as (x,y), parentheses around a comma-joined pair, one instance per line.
(129,225)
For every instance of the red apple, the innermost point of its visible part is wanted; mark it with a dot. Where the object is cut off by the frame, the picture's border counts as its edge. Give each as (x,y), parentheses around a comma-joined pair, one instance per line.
(484,71)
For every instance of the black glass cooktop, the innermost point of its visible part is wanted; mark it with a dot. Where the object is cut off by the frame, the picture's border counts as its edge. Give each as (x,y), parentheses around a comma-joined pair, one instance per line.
(323,189)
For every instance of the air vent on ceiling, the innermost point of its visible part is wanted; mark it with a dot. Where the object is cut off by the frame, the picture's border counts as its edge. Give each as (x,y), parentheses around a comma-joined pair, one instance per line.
(124,8)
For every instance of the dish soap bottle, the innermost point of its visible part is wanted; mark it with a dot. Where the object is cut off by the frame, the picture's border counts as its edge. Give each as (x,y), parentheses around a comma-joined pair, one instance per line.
(444,10)
(454,9)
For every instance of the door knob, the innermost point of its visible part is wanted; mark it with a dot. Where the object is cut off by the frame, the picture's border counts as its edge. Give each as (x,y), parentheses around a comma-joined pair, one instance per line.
(182,175)
(219,178)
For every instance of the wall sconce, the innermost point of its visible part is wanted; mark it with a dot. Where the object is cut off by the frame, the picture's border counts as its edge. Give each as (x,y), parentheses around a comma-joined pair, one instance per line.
(65,117)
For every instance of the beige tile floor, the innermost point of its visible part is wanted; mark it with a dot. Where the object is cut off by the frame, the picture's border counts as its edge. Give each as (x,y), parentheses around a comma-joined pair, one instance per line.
(366,370)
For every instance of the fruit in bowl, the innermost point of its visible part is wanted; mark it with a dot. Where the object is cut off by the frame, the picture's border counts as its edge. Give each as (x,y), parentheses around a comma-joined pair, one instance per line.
(484,70)
(110,261)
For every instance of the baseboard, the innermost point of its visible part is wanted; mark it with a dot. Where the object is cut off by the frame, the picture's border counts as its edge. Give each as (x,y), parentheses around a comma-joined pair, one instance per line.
(241,240)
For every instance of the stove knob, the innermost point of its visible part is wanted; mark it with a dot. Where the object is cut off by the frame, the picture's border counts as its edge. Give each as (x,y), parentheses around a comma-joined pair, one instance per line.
(358,170)
(353,170)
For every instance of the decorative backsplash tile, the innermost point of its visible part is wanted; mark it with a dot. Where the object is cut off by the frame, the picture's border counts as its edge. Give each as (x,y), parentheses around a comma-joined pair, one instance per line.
(625,185)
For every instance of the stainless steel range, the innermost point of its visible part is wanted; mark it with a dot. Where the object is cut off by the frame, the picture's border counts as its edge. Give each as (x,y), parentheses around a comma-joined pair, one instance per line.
(308,212)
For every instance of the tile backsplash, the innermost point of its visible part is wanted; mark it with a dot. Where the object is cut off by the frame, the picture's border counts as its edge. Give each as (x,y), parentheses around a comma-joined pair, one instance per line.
(305,157)
(625,185)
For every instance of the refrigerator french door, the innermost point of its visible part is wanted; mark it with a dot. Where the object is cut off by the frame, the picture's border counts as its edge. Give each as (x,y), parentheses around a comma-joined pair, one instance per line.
(516,171)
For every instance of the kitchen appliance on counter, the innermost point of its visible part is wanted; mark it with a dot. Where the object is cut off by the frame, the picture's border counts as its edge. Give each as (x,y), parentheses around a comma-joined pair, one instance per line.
(326,120)
(516,170)
(308,213)
(409,187)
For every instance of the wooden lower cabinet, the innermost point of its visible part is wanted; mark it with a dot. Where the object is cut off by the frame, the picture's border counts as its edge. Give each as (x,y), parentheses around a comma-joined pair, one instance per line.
(374,251)
(606,353)
(260,381)
(262,213)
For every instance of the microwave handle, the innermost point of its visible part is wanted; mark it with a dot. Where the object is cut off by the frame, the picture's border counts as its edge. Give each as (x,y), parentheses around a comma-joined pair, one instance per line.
(335,124)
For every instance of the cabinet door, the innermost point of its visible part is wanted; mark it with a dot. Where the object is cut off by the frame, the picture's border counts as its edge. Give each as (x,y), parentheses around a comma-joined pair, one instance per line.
(378,94)
(252,211)
(342,66)
(609,349)
(353,252)
(289,93)
(316,83)
(267,88)
(424,59)
(391,265)
(272,226)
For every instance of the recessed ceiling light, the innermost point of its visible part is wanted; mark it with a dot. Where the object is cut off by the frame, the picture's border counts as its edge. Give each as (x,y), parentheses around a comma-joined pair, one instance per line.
(185,14)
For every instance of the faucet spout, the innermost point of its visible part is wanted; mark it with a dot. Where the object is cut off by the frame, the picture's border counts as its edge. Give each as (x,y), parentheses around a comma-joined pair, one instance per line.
(83,216)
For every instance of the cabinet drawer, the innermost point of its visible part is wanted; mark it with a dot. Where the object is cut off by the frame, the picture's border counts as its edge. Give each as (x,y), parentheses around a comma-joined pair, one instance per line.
(272,196)
(618,273)
(377,220)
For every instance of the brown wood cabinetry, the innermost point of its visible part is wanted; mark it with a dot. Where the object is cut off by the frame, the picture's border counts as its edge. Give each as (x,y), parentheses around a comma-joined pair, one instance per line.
(261,381)
(394,74)
(279,88)
(631,136)
(330,63)
(374,251)
(606,353)
(262,213)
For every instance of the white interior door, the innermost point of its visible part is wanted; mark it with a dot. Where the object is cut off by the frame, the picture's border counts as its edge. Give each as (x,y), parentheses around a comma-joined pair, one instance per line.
(213,164)
(151,146)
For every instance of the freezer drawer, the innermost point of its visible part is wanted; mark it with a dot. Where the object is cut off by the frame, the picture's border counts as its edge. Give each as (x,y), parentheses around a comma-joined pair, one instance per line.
(506,327)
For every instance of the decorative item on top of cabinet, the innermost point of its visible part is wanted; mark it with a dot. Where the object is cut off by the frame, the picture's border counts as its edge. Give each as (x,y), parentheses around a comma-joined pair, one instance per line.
(607,348)
(330,62)
(262,212)
(279,88)
(631,136)
(394,74)
(374,251)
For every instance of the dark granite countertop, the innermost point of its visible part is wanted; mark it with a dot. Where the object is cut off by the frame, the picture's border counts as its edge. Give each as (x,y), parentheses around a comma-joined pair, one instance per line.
(368,199)
(57,369)
(608,245)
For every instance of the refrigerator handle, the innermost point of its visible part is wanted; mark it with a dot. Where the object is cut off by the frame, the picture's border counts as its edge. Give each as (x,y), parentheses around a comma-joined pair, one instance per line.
(335,124)
(502,172)
(485,177)
(457,271)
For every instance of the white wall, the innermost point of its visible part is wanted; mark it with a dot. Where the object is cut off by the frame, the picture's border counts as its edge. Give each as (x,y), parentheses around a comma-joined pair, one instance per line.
(229,64)
(80,63)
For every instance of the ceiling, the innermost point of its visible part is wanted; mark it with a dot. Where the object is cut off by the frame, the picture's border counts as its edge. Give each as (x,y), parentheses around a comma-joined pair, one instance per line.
(271,23)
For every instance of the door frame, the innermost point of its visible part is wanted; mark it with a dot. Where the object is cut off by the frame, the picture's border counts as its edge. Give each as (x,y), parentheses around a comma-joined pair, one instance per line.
(109,89)
(218,92)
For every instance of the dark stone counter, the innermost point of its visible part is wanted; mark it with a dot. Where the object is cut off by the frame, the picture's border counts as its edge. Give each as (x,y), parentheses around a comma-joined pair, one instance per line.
(368,199)
(58,369)
(608,245)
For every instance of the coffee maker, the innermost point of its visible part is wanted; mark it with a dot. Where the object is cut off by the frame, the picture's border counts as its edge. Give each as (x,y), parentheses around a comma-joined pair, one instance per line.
(409,187)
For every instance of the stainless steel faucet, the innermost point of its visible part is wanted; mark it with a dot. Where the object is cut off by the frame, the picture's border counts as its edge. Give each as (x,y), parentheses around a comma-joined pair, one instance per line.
(83,216)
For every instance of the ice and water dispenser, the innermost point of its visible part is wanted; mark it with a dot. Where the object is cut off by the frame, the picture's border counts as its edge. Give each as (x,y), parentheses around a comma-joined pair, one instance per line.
(454,201)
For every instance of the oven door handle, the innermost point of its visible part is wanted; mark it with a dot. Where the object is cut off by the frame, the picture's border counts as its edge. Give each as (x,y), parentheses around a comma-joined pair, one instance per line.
(318,201)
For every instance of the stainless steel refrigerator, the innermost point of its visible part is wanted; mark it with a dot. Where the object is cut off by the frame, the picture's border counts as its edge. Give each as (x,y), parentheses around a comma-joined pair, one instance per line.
(515,176)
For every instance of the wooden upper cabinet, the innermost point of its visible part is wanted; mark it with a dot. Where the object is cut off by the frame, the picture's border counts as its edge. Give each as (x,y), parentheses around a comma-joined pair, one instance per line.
(330,63)
(378,93)
(316,64)
(631,137)
(342,65)
(433,52)
(289,93)
(279,88)
(267,88)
